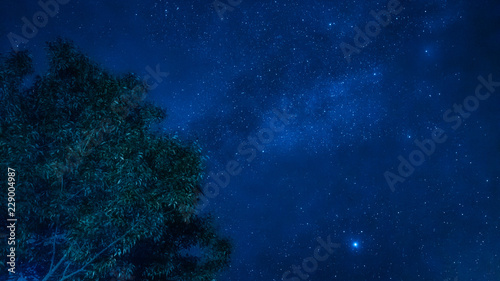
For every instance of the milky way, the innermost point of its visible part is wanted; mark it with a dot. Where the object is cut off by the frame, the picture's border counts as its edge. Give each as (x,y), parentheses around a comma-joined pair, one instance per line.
(323,175)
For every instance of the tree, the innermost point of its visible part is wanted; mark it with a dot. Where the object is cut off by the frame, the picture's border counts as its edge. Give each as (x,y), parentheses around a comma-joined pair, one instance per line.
(99,194)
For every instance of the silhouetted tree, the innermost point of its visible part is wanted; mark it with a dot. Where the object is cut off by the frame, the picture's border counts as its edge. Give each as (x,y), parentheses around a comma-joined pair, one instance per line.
(98,194)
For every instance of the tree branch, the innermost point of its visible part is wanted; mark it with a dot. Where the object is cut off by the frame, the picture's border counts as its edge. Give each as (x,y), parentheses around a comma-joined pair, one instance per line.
(53,251)
(64,272)
(51,271)
(98,254)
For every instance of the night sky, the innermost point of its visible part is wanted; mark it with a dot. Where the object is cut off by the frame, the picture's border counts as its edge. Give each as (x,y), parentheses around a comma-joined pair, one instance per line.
(421,90)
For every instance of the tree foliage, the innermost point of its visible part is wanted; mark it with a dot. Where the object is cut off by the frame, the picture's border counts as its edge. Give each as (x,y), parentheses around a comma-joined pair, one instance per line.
(98,193)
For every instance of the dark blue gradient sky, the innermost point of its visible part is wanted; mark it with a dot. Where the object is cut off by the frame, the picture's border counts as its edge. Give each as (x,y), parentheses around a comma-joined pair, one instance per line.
(323,175)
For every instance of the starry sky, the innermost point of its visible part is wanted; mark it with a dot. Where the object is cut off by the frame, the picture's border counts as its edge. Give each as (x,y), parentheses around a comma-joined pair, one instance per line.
(321,179)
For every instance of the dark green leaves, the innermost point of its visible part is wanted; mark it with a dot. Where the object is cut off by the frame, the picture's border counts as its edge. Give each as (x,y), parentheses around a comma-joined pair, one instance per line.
(115,191)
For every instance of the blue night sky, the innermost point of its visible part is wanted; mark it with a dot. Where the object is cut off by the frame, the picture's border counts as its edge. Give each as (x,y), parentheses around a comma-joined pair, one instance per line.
(415,109)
